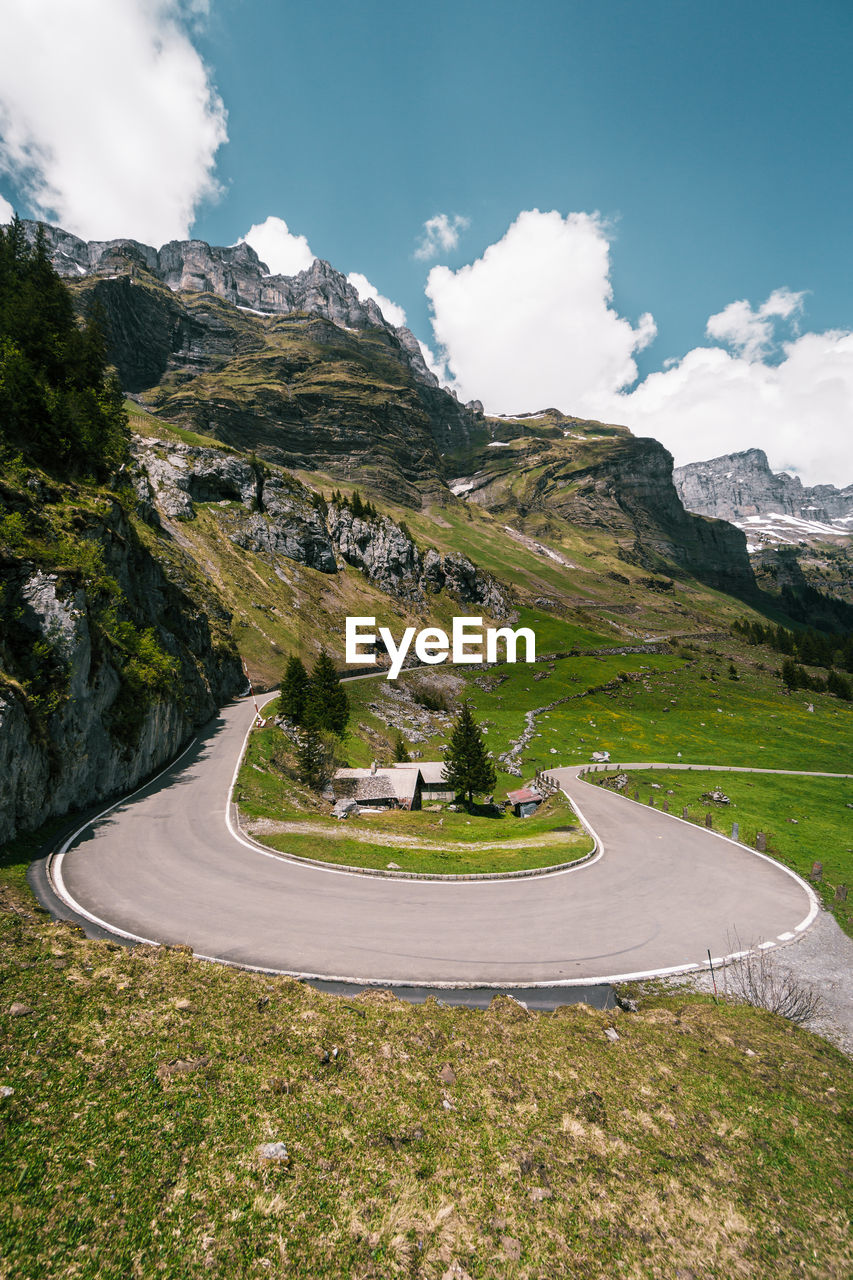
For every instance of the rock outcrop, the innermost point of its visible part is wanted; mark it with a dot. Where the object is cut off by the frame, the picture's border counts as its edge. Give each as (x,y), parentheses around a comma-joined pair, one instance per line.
(235,273)
(113,676)
(390,559)
(737,485)
(272,513)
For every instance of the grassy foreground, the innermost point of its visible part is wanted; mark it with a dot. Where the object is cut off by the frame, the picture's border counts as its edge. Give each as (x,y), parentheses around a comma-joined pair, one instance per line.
(421,1141)
(805,820)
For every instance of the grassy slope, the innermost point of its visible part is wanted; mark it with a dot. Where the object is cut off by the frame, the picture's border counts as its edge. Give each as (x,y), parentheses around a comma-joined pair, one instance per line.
(821,829)
(708,1138)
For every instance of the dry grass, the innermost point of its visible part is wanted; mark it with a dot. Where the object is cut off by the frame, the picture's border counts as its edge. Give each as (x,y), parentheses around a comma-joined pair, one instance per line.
(144,1082)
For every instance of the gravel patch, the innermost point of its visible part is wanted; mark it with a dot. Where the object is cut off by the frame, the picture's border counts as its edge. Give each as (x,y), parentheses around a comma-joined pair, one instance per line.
(821,959)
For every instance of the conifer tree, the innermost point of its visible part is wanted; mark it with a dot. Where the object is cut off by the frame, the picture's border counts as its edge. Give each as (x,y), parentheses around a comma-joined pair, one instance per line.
(59,405)
(294,690)
(312,758)
(467,766)
(401,754)
(327,705)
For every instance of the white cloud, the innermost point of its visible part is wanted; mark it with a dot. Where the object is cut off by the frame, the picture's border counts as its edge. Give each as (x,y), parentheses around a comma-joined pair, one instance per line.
(798,409)
(393,313)
(7,213)
(284,253)
(751,333)
(531,323)
(440,235)
(431,361)
(109,121)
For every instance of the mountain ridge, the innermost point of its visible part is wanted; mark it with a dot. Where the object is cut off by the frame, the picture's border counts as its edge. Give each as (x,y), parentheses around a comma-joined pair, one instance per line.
(735,486)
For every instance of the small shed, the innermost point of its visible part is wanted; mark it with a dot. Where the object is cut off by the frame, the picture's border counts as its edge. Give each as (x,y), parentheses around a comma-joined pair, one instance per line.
(524,801)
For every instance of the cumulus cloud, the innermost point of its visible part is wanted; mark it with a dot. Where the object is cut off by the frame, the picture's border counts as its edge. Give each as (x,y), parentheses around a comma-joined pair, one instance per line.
(284,253)
(531,323)
(432,362)
(798,409)
(751,332)
(6,211)
(440,235)
(393,313)
(109,120)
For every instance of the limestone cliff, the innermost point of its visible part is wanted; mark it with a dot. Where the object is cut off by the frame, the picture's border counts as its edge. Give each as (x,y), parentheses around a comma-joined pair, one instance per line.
(268,511)
(737,485)
(597,476)
(107,662)
(298,368)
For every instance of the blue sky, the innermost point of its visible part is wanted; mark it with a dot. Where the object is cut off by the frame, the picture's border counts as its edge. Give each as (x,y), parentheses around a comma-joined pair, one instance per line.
(716,136)
(703,147)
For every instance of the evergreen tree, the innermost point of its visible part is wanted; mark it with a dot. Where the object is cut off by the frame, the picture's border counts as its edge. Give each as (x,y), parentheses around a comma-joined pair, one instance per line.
(294,690)
(838,685)
(467,766)
(401,754)
(356,505)
(59,405)
(792,675)
(327,705)
(312,758)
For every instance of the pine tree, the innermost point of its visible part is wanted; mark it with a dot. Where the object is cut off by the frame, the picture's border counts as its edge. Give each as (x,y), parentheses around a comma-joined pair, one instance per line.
(792,675)
(312,758)
(294,690)
(59,405)
(837,684)
(401,753)
(467,766)
(327,705)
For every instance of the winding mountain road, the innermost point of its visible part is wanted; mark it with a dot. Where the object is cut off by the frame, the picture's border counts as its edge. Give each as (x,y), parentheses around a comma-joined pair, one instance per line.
(167,865)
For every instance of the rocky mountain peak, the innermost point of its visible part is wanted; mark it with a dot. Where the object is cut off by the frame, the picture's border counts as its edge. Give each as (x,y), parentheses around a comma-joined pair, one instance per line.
(736,486)
(235,273)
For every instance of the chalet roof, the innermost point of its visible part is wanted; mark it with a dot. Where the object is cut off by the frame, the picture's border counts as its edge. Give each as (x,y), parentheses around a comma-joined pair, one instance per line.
(432,771)
(524,795)
(384,784)
(376,786)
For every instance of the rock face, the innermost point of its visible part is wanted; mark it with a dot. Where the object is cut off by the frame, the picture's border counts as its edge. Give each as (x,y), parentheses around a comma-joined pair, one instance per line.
(392,561)
(601,477)
(738,485)
(101,737)
(270,512)
(234,273)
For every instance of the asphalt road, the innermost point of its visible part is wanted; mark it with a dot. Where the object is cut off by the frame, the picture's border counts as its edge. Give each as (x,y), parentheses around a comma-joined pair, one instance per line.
(163,866)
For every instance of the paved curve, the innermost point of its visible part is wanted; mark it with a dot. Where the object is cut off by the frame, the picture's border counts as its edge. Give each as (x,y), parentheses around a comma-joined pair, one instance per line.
(163,866)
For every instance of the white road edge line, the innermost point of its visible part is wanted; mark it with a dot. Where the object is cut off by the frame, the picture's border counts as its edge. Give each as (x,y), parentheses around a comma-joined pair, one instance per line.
(54,870)
(814,903)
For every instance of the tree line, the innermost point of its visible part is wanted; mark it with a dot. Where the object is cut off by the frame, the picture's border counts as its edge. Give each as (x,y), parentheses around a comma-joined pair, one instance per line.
(60,406)
(806,648)
(810,647)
